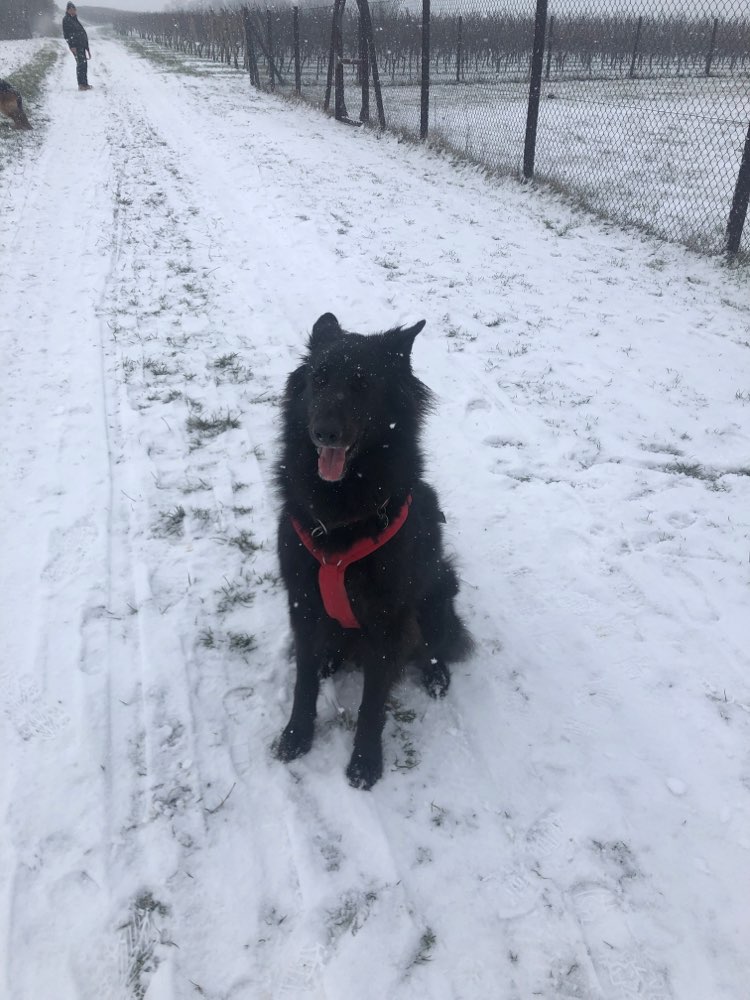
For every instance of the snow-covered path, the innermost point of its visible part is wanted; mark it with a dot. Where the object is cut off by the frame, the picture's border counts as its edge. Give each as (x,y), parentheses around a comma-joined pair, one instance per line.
(573,820)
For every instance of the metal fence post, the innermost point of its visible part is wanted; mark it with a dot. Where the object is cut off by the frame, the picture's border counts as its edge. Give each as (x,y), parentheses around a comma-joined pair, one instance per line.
(297,67)
(424,115)
(535,89)
(712,46)
(738,211)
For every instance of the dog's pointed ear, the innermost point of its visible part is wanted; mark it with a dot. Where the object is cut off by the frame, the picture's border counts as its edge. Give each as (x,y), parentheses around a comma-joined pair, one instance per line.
(403,339)
(325,330)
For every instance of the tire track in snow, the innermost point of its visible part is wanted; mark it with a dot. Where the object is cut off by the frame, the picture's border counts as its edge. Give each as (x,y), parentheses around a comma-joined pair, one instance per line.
(177,739)
(157,805)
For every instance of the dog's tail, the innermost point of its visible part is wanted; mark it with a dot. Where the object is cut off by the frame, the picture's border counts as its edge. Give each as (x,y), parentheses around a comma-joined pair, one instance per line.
(442,630)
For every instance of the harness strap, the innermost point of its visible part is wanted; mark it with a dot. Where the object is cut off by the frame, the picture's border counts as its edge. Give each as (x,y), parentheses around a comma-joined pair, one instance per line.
(333,566)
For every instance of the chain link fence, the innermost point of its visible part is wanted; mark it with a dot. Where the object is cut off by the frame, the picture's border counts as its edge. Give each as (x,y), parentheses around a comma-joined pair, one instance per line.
(641,115)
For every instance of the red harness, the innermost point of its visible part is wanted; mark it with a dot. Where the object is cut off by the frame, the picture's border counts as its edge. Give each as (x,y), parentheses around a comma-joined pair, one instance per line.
(333,566)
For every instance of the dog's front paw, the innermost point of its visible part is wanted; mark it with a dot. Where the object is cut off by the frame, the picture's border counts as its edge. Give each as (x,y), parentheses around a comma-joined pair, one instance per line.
(437,678)
(363,772)
(293,742)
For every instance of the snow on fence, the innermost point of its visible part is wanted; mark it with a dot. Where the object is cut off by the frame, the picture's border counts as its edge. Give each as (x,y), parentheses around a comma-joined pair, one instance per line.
(642,116)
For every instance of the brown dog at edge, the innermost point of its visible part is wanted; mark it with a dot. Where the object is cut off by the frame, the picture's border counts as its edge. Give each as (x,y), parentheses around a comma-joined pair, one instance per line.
(11,104)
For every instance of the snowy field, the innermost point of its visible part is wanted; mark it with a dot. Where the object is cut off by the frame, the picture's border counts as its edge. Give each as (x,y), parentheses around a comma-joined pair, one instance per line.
(15,54)
(662,154)
(573,821)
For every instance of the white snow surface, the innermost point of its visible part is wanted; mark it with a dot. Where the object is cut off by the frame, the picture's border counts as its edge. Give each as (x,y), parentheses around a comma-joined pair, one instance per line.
(573,820)
(14,54)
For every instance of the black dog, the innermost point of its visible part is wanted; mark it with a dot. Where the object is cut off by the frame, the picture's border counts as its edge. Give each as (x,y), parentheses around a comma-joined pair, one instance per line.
(11,104)
(360,538)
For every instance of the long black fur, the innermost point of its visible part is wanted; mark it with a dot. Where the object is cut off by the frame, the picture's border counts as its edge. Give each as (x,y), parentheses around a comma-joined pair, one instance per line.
(359,392)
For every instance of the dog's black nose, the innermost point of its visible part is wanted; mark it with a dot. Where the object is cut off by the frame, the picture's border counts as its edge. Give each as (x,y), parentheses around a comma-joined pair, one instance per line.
(326,435)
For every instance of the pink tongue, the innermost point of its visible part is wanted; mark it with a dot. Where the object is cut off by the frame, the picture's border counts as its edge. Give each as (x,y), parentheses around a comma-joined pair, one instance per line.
(331,462)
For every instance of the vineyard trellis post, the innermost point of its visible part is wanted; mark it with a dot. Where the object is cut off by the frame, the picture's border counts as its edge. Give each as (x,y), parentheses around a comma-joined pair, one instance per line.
(364,13)
(252,62)
(535,89)
(636,44)
(712,46)
(338,38)
(335,75)
(364,72)
(459,48)
(269,36)
(297,66)
(424,103)
(550,33)
(331,56)
(738,211)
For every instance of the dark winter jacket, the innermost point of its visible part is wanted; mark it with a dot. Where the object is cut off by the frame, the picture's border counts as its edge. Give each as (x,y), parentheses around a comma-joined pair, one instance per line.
(75,33)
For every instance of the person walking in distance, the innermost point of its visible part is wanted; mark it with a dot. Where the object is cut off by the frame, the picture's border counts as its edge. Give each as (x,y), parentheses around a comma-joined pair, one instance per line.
(78,43)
